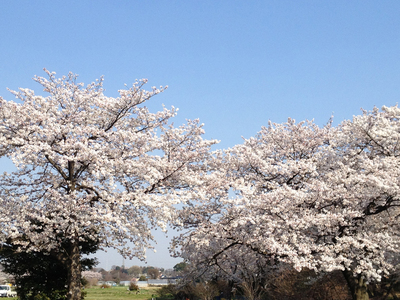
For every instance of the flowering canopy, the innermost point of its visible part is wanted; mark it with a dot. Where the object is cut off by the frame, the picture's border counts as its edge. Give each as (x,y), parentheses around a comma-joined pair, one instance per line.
(319,198)
(92,166)
(86,160)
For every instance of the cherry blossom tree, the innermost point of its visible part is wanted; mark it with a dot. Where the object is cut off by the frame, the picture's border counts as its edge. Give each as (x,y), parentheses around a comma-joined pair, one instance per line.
(366,180)
(91,274)
(319,198)
(93,167)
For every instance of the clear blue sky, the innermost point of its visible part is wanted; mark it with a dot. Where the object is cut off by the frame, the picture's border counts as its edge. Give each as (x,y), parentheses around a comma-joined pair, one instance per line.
(233,64)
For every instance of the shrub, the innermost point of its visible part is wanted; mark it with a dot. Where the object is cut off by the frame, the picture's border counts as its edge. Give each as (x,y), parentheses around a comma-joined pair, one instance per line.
(133,287)
(41,297)
(167,291)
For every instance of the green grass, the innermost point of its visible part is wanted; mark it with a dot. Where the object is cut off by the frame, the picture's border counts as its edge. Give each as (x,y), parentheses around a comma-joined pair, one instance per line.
(119,293)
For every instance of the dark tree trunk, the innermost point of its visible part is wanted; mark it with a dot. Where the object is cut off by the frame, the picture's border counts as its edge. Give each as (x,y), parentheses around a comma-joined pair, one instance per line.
(74,272)
(357,286)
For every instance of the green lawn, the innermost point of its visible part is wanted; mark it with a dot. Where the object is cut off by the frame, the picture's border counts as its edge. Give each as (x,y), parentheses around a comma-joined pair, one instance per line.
(119,293)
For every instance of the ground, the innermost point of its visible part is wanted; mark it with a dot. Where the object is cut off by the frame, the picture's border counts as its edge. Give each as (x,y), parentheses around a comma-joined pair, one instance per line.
(120,293)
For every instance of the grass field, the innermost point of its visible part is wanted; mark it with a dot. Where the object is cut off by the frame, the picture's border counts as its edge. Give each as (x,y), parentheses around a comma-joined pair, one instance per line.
(119,293)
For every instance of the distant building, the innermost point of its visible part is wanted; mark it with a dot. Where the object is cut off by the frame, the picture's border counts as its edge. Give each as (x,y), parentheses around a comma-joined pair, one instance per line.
(161,281)
(142,283)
